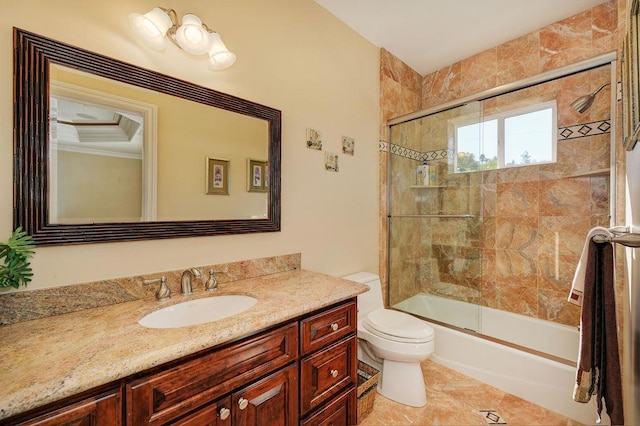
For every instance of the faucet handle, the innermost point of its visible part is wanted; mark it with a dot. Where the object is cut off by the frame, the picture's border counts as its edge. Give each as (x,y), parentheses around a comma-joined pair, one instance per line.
(196,272)
(212,282)
(163,292)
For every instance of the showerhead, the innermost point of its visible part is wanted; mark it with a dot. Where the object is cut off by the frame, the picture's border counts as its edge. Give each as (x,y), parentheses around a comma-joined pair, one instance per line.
(583,103)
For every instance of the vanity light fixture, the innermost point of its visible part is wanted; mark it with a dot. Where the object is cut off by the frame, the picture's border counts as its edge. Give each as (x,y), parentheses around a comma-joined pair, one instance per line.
(192,35)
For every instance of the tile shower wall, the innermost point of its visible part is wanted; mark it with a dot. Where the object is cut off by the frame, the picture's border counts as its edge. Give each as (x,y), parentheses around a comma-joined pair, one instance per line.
(521,256)
(400,93)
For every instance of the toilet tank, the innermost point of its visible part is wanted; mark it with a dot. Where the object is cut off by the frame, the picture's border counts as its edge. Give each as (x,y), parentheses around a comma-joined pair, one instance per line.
(372,299)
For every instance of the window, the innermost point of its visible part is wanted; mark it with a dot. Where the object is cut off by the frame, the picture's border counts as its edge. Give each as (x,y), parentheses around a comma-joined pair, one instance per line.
(508,139)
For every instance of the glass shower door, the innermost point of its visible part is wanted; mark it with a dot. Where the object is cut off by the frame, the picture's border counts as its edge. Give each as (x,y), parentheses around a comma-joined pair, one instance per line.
(435,229)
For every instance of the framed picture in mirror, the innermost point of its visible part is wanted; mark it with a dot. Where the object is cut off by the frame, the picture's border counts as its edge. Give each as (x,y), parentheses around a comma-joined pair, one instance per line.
(217,176)
(257,177)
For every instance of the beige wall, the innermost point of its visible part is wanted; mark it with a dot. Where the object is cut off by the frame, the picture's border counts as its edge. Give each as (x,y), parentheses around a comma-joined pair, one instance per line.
(292,55)
(95,187)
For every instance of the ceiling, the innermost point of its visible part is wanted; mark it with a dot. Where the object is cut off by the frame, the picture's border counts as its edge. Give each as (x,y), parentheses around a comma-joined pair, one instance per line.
(78,126)
(430,34)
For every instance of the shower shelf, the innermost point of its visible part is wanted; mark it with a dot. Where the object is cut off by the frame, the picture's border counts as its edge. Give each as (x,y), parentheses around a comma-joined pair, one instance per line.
(436,216)
(591,173)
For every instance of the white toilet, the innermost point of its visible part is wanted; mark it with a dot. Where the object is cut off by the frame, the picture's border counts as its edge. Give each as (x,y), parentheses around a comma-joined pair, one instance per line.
(393,342)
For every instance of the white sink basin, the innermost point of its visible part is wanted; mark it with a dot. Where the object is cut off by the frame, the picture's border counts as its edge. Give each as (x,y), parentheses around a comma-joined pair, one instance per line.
(198,311)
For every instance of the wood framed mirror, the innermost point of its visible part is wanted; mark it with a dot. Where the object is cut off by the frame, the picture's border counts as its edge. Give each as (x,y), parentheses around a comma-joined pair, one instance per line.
(36,59)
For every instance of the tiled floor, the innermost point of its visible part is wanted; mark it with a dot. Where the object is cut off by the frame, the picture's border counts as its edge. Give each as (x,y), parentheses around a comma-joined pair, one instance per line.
(456,399)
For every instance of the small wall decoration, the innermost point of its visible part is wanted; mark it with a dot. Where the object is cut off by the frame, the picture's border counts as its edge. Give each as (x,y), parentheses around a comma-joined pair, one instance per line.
(257,176)
(314,139)
(331,161)
(348,145)
(217,176)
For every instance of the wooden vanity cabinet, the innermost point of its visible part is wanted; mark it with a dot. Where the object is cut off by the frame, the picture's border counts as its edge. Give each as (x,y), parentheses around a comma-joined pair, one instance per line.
(320,388)
(301,372)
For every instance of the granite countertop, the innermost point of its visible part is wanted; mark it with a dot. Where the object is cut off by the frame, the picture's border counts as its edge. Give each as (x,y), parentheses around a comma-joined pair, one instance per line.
(47,359)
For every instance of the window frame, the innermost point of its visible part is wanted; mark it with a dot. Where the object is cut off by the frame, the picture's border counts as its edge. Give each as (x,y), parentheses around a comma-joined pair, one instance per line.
(501,144)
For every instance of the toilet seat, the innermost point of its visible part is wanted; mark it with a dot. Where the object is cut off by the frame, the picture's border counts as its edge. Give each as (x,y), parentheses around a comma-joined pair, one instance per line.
(397,326)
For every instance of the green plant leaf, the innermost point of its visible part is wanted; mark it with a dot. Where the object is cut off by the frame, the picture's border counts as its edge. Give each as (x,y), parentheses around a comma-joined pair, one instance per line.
(15,269)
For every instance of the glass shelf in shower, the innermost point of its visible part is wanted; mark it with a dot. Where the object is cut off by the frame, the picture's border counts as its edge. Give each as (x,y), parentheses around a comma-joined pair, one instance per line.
(434,216)
(592,173)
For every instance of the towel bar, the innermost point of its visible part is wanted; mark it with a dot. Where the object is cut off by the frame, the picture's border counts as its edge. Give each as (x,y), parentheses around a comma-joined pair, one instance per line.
(629,240)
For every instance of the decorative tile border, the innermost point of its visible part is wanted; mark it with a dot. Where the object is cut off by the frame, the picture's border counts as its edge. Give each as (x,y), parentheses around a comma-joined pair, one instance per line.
(585,129)
(564,133)
(412,154)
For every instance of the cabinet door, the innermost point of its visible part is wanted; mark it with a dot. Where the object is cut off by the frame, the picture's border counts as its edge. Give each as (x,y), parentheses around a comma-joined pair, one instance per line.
(215,414)
(271,401)
(104,409)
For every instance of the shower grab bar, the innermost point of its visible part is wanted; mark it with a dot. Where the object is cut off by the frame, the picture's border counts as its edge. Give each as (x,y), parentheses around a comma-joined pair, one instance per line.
(445,216)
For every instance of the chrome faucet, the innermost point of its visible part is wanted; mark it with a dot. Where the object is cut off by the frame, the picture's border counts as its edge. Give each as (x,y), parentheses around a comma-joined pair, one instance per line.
(187,276)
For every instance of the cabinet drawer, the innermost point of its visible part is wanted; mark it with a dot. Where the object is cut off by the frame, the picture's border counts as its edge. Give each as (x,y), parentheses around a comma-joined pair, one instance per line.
(326,373)
(327,327)
(101,409)
(162,397)
(339,412)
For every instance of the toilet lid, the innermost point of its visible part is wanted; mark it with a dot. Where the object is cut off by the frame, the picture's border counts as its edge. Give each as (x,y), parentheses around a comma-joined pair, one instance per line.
(398,326)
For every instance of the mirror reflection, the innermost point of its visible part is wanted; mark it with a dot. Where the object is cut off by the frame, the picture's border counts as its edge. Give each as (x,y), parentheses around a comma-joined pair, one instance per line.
(198,162)
(120,153)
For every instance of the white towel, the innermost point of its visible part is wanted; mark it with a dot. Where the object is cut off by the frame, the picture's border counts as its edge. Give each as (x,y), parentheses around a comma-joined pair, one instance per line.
(577,287)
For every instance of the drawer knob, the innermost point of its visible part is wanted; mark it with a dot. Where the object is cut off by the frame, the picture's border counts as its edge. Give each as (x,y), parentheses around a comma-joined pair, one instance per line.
(243,403)
(334,326)
(224,413)
(334,373)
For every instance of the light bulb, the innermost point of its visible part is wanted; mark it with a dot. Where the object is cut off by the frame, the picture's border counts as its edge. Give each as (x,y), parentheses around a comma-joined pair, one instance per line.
(219,56)
(151,27)
(192,36)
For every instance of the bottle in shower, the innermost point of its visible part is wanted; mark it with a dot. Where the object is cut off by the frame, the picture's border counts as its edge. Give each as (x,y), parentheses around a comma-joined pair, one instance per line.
(422,173)
(433,177)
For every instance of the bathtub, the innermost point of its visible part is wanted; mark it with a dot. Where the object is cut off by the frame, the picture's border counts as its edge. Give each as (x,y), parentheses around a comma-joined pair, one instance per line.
(544,380)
